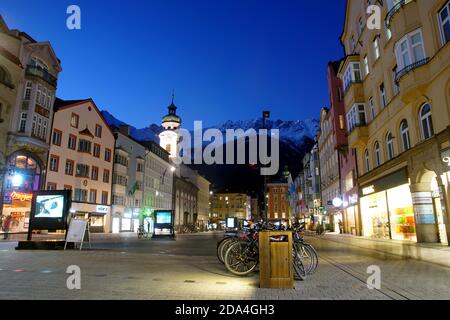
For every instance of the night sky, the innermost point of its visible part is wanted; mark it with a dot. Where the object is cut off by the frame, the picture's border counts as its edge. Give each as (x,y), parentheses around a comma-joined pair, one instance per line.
(226,60)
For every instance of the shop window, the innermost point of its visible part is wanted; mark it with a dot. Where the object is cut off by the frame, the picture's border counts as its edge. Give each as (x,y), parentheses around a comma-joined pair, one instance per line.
(426,122)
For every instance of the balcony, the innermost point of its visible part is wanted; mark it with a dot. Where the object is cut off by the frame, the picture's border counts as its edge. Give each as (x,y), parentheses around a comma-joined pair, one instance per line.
(410,68)
(359,136)
(396,8)
(354,93)
(42,74)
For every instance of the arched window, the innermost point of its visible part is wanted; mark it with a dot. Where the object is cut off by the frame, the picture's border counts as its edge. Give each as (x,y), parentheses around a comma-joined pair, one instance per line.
(404,133)
(390,146)
(366,160)
(377,154)
(426,122)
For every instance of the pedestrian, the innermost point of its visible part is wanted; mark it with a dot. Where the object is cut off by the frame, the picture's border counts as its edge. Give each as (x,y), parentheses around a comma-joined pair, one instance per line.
(5,226)
(341,228)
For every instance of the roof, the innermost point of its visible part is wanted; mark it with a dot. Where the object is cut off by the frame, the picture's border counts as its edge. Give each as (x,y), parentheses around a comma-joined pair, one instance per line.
(59,103)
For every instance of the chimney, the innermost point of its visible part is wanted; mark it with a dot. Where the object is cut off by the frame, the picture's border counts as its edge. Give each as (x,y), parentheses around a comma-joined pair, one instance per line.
(125,130)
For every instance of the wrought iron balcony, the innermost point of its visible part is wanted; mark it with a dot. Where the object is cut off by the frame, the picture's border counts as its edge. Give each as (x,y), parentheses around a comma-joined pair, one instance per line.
(41,73)
(409,68)
(394,10)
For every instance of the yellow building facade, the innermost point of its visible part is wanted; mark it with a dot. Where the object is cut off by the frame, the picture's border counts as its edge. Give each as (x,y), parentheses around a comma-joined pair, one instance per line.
(397,101)
(230,205)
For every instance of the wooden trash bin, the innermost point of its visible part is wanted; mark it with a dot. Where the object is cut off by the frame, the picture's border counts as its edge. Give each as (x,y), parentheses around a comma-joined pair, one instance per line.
(276,267)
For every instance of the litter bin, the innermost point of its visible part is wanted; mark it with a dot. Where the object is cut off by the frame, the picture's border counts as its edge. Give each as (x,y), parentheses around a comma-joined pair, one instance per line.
(276,267)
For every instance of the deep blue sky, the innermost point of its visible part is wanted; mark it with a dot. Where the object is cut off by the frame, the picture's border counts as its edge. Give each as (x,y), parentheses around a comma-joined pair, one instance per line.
(226,59)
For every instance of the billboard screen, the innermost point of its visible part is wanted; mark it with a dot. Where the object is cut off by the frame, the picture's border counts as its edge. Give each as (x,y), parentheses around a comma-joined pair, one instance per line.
(51,206)
(164,217)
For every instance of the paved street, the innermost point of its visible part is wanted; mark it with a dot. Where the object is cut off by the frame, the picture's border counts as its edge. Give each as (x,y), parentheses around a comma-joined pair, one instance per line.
(128,268)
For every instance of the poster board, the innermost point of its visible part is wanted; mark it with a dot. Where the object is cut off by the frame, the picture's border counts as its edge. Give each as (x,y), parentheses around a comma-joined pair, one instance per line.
(78,230)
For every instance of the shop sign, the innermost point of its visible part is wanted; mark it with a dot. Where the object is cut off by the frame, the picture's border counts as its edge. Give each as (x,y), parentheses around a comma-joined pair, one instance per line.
(445,160)
(102,209)
(7,200)
(20,196)
(390,181)
(368,190)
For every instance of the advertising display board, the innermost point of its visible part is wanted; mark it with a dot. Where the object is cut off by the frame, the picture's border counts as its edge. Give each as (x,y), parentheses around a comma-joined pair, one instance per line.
(78,230)
(163,224)
(49,211)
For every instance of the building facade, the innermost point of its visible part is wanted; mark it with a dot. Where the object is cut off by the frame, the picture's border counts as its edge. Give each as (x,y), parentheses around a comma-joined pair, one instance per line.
(230,205)
(329,168)
(203,202)
(29,72)
(278,202)
(81,159)
(128,182)
(397,101)
(159,179)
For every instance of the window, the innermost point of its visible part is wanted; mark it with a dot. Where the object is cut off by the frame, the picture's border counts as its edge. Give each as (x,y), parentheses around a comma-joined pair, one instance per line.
(390,146)
(23,122)
(93,196)
(56,138)
(104,197)
(28,90)
(426,122)
(119,159)
(108,155)
(352,75)
(377,154)
(80,195)
(72,142)
(404,132)
(67,187)
(74,120)
(356,117)
(372,108)
(367,160)
(366,66)
(54,163)
(361,25)
(94,173)
(382,95)
(140,167)
(82,170)
(96,150)
(69,167)
(376,48)
(84,146)
(51,186)
(410,49)
(444,23)
(106,176)
(98,131)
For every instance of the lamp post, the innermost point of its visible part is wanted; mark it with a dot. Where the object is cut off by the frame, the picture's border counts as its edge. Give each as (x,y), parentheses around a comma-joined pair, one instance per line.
(266,115)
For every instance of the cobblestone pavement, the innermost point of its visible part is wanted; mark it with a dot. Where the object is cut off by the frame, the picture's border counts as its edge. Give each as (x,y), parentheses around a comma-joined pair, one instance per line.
(127,268)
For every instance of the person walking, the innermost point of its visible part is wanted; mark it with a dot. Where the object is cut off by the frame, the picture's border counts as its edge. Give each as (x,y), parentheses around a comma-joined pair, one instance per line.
(341,227)
(5,226)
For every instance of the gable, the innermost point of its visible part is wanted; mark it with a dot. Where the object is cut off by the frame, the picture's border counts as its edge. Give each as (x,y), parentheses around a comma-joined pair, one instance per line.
(46,49)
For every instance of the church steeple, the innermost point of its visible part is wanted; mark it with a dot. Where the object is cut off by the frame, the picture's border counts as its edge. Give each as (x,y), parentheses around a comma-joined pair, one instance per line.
(168,139)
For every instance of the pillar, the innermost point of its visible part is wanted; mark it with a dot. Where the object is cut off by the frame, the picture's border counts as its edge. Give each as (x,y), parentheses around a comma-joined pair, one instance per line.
(426,224)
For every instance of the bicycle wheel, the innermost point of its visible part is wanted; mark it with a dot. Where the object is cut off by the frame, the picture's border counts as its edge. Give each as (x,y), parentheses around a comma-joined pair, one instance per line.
(306,256)
(299,268)
(220,245)
(240,258)
(313,253)
(225,247)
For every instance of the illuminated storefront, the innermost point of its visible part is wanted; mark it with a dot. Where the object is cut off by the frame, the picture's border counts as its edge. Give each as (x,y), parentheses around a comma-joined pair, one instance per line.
(23,177)
(387,208)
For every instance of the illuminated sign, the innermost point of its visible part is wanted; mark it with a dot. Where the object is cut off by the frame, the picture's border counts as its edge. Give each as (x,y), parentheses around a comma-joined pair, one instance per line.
(445,158)
(368,190)
(102,209)
(20,196)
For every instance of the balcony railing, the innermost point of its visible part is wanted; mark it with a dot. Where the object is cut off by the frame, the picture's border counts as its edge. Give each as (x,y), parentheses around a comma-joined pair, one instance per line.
(41,73)
(394,10)
(409,68)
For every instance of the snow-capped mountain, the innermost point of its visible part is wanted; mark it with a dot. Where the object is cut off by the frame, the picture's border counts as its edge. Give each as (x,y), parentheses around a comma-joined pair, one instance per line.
(293,132)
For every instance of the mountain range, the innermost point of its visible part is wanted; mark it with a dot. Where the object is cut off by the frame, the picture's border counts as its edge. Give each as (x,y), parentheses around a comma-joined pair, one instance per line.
(296,138)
